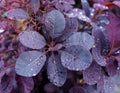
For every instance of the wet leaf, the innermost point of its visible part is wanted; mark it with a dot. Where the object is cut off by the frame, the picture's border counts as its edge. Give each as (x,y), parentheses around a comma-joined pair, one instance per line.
(30,63)
(101,47)
(70,28)
(17,14)
(80,38)
(55,23)
(106,85)
(76,58)
(32,39)
(56,72)
(92,74)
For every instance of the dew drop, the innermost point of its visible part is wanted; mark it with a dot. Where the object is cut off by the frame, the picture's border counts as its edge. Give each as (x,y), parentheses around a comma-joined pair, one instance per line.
(38,63)
(2,30)
(34,74)
(30,59)
(31,69)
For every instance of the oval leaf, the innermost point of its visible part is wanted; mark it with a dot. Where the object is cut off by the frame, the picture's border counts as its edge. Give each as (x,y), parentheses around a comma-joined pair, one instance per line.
(101,47)
(30,63)
(56,72)
(54,23)
(71,26)
(17,14)
(76,58)
(80,38)
(106,85)
(92,74)
(32,39)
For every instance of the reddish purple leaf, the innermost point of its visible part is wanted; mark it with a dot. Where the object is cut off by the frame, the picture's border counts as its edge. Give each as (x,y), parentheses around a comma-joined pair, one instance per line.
(26,84)
(112,68)
(113,30)
(77,89)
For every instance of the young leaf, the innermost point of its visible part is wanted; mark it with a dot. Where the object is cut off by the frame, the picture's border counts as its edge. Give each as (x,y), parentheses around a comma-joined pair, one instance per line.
(30,63)
(32,39)
(56,72)
(76,58)
(92,74)
(80,38)
(54,23)
(17,14)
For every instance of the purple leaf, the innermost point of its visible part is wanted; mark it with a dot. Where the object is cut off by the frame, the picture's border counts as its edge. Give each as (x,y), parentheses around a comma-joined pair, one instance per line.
(92,74)
(80,14)
(7,83)
(17,14)
(77,89)
(2,70)
(80,38)
(85,7)
(76,58)
(32,39)
(30,63)
(50,88)
(56,72)
(2,3)
(54,23)
(101,47)
(71,26)
(64,5)
(26,84)
(35,5)
(106,85)
(112,68)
